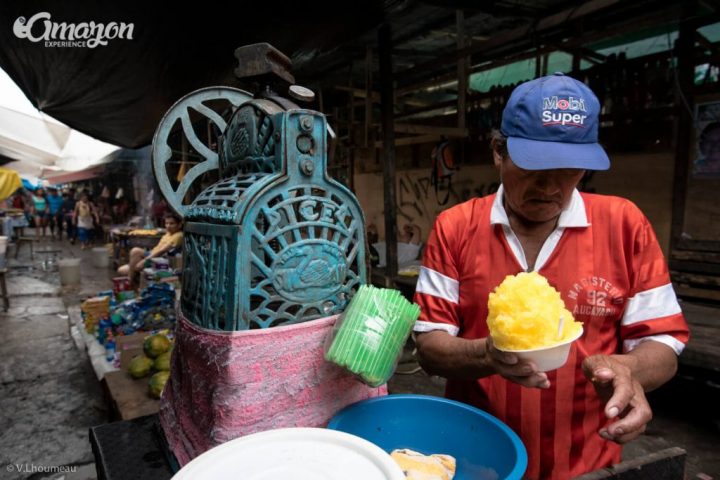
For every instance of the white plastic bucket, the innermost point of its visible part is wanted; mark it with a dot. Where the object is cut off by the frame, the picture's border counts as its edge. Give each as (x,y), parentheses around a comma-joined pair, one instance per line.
(3,245)
(69,271)
(100,257)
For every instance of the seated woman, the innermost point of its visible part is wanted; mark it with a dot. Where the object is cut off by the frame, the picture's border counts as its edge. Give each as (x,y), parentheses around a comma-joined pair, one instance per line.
(172,239)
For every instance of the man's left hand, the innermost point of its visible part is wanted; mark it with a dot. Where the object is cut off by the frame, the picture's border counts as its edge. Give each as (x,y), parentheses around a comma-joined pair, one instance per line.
(623,395)
(140,265)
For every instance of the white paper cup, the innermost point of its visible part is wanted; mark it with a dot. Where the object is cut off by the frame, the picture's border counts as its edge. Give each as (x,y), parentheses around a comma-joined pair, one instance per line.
(547,358)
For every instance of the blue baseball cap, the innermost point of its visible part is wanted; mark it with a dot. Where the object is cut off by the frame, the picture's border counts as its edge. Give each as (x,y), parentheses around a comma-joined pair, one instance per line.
(552,122)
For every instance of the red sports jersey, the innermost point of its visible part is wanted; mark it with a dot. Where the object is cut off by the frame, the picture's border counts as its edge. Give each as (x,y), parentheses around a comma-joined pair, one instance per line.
(605,261)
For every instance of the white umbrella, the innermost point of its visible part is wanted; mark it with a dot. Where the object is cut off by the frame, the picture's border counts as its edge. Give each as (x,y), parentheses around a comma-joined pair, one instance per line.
(29,135)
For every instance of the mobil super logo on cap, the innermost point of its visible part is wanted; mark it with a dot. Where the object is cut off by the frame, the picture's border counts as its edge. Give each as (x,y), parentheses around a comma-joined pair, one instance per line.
(564,111)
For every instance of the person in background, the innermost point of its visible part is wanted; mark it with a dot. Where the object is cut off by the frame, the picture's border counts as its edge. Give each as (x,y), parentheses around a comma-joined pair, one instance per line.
(40,211)
(19,199)
(54,201)
(67,210)
(598,251)
(408,247)
(372,239)
(172,239)
(83,216)
(708,164)
(159,210)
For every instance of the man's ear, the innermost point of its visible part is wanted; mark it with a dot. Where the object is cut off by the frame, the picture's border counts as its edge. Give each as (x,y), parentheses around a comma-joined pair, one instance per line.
(497,158)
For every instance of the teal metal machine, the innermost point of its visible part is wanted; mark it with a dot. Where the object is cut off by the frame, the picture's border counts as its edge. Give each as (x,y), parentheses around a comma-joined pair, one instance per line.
(275,240)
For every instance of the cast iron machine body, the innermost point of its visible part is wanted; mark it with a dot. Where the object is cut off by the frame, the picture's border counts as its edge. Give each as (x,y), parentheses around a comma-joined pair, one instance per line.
(275,240)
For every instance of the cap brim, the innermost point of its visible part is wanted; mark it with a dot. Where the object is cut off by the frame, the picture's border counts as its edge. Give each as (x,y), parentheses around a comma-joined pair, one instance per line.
(539,155)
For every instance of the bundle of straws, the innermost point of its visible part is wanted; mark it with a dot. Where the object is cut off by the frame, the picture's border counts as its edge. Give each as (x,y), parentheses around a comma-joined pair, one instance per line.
(372,332)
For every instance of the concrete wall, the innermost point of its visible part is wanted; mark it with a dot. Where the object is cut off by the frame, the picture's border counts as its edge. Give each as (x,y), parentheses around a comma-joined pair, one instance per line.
(645,178)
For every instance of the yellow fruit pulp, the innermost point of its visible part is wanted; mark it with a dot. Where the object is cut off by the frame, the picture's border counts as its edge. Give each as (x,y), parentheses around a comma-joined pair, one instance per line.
(524,313)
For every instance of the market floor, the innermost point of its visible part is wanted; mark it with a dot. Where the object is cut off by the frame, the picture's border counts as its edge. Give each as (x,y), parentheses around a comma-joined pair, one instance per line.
(49,395)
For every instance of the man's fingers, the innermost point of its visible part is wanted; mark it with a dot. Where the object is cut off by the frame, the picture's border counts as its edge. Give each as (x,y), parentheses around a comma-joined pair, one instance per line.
(598,369)
(537,380)
(623,393)
(503,357)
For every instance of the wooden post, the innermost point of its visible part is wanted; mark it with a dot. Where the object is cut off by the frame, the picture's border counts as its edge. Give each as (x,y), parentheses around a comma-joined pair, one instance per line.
(351,108)
(462,71)
(685,103)
(386,105)
(368,94)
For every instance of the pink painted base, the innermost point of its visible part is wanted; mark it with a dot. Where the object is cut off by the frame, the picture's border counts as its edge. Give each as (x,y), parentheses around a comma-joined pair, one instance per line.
(224,385)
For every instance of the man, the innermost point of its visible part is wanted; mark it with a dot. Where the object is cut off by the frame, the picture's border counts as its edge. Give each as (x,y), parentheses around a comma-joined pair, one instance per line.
(599,252)
(66,214)
(55,219)
(172,239)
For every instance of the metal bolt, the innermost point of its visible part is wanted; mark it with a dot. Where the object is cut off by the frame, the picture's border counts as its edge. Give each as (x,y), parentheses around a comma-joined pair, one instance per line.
(304,143)
(307,166)
(306,123)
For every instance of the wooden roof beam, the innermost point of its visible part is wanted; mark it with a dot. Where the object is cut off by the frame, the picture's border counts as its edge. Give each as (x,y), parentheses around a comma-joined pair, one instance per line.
(525,31)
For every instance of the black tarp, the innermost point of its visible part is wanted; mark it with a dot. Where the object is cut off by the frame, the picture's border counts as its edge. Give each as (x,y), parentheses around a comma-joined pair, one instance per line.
(118,93)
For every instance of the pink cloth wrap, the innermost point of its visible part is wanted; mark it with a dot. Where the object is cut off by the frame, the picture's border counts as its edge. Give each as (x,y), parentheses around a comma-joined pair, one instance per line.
(224,385)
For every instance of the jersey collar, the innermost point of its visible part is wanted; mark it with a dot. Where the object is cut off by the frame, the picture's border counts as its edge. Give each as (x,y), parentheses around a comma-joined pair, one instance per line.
(573,216)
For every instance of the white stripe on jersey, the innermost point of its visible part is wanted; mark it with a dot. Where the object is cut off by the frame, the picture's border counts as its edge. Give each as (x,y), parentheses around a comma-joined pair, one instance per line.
(438,285)
(421,326)
(671,342)
(655,303)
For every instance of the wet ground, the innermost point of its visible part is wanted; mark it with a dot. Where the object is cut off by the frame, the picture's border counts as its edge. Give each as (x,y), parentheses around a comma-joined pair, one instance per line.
(49,395)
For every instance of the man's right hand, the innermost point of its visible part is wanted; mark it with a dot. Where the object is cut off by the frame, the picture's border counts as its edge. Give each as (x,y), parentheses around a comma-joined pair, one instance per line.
(509,366)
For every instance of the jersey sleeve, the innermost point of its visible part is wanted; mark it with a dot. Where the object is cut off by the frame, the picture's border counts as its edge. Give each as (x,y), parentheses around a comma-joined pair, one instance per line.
(438,286)
(652,312)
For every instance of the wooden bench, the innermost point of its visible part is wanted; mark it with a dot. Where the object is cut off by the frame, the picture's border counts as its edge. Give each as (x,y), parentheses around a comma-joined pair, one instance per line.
(24,241)
(668,464)
(128,397)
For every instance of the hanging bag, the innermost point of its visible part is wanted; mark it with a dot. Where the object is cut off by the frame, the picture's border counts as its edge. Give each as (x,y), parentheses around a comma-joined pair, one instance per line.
(443,168)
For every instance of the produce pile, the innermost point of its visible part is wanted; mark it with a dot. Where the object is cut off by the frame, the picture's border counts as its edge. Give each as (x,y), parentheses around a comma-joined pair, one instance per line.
(156,358)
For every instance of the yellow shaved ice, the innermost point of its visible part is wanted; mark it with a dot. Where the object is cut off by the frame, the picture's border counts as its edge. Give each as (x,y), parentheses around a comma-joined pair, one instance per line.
(524,313)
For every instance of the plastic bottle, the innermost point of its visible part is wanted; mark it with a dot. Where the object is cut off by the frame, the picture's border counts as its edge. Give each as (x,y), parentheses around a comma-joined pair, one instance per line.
(110,348)
(104,328)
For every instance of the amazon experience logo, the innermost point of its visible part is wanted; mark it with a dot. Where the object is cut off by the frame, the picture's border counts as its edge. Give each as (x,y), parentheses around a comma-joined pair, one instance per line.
(40,28)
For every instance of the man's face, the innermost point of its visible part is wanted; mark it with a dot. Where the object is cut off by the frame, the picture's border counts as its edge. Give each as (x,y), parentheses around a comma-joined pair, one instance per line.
(536,195)
(171,225)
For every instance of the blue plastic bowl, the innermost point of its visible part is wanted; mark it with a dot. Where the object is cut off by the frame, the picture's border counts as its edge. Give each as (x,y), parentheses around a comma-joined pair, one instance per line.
(484,447)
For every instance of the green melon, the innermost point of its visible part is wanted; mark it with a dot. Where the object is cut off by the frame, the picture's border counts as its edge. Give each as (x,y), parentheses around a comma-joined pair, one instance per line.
(157,383)
(155,345)
(162,362)
(140,366)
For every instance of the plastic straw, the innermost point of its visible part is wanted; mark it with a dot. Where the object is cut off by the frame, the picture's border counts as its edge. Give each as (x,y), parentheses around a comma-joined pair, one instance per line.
(372,332)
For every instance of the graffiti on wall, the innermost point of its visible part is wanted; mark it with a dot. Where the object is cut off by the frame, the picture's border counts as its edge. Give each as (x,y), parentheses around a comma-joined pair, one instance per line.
(418,200)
